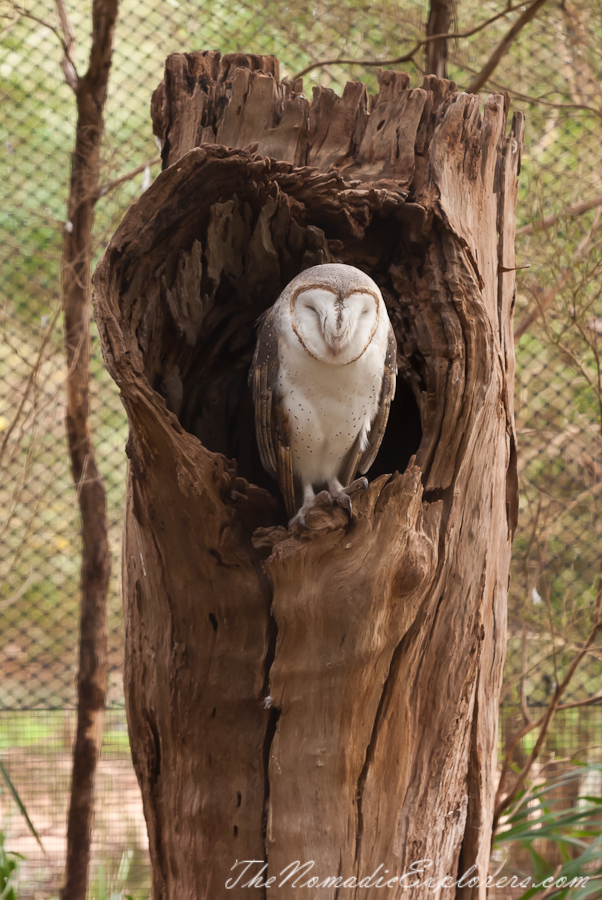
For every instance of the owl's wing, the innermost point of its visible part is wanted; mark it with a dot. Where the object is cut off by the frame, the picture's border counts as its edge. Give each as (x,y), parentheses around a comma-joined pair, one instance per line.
(355,458)
(271,421)
(387,392)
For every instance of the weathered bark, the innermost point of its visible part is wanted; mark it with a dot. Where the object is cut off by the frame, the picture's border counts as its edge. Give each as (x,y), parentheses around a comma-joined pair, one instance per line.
(90,93)
(328,695)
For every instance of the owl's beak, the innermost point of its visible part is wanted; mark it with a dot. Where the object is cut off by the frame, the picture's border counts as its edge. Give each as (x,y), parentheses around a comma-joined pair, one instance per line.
(336,344)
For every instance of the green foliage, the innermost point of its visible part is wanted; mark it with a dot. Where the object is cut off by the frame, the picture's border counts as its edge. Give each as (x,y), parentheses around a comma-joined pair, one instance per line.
(20,805)
(8,858)
(109,885)
(25,730)
(545,825)
(9,863)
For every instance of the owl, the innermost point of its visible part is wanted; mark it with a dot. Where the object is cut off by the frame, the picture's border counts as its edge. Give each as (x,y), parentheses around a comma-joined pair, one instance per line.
(323,378)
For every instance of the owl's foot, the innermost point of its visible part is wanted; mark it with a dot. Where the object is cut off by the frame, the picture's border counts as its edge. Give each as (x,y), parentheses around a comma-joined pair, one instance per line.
(342,498)
(321,500)
(356,485)
(299,517)
(342,495)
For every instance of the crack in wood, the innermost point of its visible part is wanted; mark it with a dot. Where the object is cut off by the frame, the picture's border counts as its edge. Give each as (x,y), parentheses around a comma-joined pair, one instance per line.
(270,729)
(371,747)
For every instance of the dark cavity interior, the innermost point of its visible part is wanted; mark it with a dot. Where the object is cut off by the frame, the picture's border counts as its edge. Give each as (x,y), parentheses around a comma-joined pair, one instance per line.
(202,366)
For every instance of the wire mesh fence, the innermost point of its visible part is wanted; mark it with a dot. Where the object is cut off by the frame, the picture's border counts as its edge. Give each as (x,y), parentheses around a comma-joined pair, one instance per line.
(553,71)
(36,751)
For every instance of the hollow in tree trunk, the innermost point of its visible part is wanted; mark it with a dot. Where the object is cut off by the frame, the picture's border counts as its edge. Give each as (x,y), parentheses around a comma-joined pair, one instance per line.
(329,694)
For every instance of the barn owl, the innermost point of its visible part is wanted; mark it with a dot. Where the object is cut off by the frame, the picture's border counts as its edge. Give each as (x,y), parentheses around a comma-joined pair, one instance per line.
(323,377)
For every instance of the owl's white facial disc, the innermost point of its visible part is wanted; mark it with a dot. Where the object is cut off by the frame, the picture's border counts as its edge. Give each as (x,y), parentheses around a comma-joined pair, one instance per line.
(334,328)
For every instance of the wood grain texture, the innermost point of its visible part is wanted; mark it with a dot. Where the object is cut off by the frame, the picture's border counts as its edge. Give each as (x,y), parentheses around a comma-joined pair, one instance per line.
(329,694)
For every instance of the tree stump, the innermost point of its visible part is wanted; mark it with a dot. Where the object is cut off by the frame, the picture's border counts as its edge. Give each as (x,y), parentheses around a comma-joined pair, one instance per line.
(328,695)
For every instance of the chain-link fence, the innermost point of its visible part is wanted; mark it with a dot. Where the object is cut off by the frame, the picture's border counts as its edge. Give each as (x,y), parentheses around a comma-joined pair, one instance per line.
(554,72)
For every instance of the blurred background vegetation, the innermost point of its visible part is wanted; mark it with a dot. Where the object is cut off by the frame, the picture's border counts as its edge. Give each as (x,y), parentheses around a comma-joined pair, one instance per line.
(553,71)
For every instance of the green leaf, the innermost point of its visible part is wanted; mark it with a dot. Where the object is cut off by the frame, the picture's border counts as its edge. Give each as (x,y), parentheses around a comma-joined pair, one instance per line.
(21,806)
(101,889)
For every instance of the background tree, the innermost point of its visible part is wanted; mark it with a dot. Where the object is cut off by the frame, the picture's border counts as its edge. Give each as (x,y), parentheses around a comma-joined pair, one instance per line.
(439,22)
(90,92)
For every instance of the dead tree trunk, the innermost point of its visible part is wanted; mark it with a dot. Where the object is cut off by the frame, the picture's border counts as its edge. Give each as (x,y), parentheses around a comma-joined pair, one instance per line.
(328,695)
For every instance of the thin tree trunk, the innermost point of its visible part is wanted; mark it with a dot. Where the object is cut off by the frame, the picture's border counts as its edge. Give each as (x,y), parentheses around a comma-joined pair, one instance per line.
(328,695)
(439,22)
(90,92)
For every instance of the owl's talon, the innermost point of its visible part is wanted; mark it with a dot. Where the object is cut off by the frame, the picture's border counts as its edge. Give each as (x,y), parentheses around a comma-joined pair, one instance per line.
(299,518)
(355,485)
(324,498)
(343,499)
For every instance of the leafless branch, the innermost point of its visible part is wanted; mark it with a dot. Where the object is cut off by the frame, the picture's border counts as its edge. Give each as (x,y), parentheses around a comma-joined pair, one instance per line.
(569,212)
(409,56)
(111,185)
(535,101)
(523,693)
(18,594)
(543,299)
(68,33)
(31,381)
(67,66)
(510,682)
(587,701)
(540,101)
(66,42)
(503,46)
(543,724)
